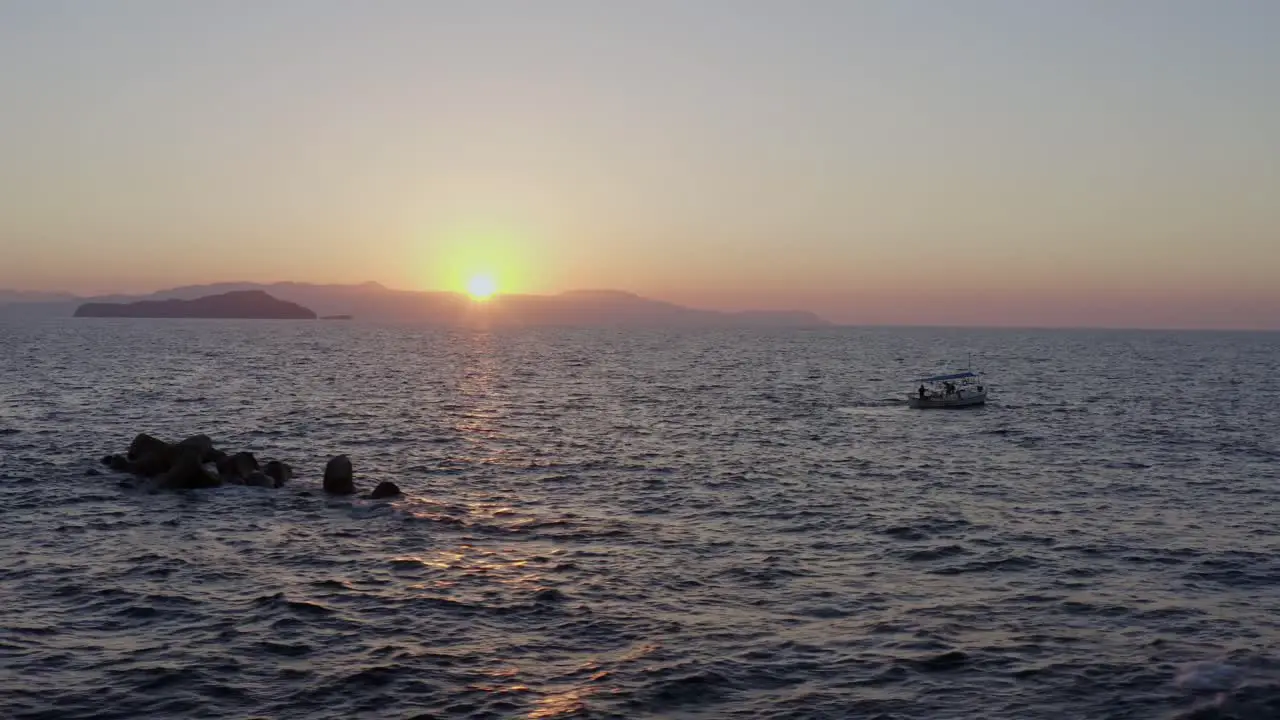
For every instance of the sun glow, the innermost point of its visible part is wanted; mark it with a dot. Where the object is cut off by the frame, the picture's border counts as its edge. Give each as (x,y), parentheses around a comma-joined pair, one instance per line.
(482,287)
(482,261)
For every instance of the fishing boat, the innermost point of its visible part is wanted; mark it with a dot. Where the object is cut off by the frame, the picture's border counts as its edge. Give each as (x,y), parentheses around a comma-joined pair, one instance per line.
(957,390)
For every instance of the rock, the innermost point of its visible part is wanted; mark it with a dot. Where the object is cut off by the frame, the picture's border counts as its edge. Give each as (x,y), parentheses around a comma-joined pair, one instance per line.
(226,468)
(92,472)
(239,465)
(151,464)
(188,474)
(245,462)
(150,456)
(258,478)
(337,476)
(202,443)
(215,456)
(385,489)
(119,463)
(280,472)
(106,459)
(144,444)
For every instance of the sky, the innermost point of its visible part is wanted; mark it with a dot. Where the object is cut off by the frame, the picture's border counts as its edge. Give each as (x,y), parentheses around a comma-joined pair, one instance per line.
(1080,162)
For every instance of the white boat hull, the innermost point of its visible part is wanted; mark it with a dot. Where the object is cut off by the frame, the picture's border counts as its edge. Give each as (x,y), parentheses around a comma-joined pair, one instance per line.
(968,399)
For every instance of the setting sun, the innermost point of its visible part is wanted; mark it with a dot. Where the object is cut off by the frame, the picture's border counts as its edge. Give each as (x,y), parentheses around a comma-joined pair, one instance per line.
(482,287)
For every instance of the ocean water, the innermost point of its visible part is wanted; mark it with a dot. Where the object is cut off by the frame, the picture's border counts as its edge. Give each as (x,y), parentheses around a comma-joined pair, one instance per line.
(636,524)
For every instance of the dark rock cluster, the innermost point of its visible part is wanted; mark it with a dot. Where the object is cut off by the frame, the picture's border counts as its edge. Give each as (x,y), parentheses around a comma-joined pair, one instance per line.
(195,463)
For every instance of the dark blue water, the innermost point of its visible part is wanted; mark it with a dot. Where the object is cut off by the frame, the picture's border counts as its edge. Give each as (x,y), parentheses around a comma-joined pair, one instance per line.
(626,525)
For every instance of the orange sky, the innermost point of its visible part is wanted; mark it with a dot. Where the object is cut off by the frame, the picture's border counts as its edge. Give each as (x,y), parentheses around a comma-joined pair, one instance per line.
(893,162)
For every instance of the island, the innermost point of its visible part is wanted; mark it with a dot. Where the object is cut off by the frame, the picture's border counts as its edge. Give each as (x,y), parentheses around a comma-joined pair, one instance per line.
(372,302)
(240,305)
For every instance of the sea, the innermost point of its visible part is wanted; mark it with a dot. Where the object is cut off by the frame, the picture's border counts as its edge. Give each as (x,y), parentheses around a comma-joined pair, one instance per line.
(630,523)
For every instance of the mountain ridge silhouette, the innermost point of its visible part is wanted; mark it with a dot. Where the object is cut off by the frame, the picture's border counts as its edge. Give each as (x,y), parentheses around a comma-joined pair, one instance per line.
(373,301)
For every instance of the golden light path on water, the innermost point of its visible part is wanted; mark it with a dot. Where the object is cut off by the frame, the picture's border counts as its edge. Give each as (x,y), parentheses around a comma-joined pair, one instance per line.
(467,572)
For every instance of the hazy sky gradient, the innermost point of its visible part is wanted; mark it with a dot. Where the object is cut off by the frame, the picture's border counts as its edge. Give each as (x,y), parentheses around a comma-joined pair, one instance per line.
(927,161)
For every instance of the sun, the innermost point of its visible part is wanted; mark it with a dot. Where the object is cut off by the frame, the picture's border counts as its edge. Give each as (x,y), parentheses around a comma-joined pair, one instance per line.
(482,287)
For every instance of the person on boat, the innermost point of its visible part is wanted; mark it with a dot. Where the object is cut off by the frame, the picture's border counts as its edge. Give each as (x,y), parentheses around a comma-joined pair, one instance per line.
(950,387)
(921,391)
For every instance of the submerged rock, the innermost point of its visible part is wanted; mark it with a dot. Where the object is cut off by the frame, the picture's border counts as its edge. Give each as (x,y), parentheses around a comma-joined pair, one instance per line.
(240,465)
(245,463)
(338,476)
(118,463)
(257,478)
(278,471)
(950,660)
(385,489)
(548,595)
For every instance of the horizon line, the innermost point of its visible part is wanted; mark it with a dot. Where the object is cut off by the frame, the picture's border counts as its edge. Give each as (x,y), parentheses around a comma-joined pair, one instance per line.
(70,296)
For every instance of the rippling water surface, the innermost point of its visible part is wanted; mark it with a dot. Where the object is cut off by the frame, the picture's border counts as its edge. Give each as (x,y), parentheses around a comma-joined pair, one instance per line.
(606,524)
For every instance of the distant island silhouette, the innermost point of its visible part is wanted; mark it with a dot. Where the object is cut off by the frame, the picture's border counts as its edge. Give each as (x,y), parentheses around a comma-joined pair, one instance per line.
(372,302)
(239,304)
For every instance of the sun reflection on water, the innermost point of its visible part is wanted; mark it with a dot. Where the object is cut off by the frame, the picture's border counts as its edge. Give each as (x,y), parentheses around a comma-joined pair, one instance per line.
(482,398)
(468,566)
(562,703)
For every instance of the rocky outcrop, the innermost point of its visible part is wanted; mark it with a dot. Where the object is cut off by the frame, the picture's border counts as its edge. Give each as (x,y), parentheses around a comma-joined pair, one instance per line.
(188,473)
(338,478)
(385,489)
(194,463)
